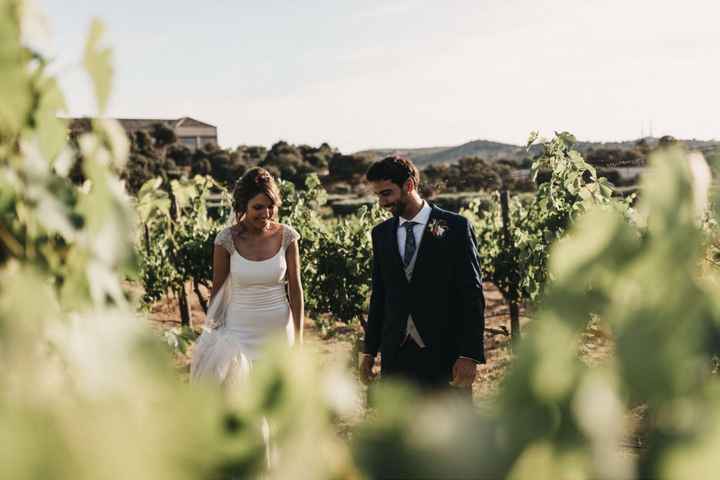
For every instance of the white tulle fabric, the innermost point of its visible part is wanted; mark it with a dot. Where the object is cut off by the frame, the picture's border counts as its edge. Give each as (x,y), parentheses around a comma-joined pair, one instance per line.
(250,310)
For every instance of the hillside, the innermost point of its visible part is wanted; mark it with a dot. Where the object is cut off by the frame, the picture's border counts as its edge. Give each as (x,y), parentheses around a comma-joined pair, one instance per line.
(423,157)
(488,150)
(480,148)
(412,153)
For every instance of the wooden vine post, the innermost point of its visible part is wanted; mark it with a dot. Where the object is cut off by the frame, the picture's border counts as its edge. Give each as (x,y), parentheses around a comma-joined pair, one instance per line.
(181,291)
(512,290)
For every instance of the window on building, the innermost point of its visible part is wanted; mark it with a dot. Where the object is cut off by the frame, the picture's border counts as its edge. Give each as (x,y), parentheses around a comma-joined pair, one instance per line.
(189,141)
(208,140)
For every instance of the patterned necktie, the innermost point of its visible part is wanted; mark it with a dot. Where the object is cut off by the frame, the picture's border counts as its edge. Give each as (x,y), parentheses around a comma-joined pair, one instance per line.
(409,242)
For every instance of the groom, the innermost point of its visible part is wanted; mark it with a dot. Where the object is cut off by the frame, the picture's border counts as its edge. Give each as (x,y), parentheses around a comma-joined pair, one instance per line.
(427,305)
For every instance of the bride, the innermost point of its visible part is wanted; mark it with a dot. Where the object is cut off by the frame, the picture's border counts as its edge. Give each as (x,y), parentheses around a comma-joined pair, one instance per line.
(249,304)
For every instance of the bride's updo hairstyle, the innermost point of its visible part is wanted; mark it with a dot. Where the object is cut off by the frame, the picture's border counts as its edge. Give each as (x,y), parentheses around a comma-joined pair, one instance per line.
(255,181)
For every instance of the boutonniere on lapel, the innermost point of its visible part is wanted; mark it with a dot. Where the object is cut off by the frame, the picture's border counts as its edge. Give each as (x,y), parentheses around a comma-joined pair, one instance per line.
(438,227)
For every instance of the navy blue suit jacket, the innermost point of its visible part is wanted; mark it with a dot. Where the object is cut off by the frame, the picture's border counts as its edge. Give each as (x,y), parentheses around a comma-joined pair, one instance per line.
(444,296)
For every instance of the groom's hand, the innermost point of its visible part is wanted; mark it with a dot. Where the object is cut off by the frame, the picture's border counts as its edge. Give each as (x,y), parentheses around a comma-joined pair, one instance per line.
(366,368)
(464,372)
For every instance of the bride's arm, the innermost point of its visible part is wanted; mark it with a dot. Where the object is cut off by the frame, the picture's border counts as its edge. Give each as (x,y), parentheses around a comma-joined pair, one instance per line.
(221,267)
(295,291)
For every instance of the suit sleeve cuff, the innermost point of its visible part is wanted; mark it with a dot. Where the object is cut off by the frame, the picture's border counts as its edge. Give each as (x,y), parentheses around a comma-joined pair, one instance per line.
(368,351)
(477,362)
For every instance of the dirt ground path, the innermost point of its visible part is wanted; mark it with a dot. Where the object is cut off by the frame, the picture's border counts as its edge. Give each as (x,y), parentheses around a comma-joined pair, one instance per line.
(335,342)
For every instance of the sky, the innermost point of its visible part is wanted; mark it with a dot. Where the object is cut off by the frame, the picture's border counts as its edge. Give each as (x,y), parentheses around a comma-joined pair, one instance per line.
(402,73)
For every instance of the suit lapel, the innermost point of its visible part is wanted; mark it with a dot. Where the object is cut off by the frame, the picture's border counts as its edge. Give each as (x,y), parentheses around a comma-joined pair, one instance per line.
(427,247)
(396,260)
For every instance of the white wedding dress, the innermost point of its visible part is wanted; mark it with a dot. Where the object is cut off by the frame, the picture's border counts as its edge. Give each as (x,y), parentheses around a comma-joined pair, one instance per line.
(253,310)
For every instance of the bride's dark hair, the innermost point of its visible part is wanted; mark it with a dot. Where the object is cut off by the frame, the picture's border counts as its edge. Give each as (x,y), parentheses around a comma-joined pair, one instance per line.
(256,180)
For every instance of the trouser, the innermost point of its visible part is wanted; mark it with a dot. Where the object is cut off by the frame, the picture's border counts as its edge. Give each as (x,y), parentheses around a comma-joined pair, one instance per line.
(423,368)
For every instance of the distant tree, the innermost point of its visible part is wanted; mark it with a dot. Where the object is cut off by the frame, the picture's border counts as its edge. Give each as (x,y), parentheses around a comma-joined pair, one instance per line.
(604,157)
(642,147)
(326,149)
(475,173)
(505,172)
(201,166)
(348,168)
(180,154)
(667,141)
(521,184)
(162,135)
(141,168)
(149,156)
(142,142)
(506,161)
(471,174)
(633,158)
(615,157)
(612,175)
(318,158)
(288,161)
(525,163)
(434,179)
(226,167)
(436,171)
(79,126)
(253,154)
(76,174)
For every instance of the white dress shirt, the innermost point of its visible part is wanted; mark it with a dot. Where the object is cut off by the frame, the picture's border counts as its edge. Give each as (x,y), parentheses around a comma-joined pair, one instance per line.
(421,220)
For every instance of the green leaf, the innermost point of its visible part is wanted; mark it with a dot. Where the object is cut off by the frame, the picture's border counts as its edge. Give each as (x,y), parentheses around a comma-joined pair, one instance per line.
(184,192)
(534,135)
(51,130)
(55,215)
(149,186)
(98,63)
(116,139)
(567,138)
(14,85)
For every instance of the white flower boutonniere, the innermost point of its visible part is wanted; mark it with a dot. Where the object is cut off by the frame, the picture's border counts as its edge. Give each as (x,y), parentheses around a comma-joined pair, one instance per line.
(438,228)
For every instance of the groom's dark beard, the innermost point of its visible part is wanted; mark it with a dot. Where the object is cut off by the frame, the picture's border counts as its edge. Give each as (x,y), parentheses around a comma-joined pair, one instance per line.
(399,207)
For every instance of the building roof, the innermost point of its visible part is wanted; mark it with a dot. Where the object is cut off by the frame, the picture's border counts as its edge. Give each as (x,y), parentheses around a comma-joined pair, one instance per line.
(140,123)
(191,122)
(133,124)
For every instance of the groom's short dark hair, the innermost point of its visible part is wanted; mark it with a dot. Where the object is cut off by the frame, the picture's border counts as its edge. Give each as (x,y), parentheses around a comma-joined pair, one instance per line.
(394,168)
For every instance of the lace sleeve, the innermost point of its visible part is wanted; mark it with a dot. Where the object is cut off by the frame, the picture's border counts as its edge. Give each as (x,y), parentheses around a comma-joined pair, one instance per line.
(224,239)
(290,235)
